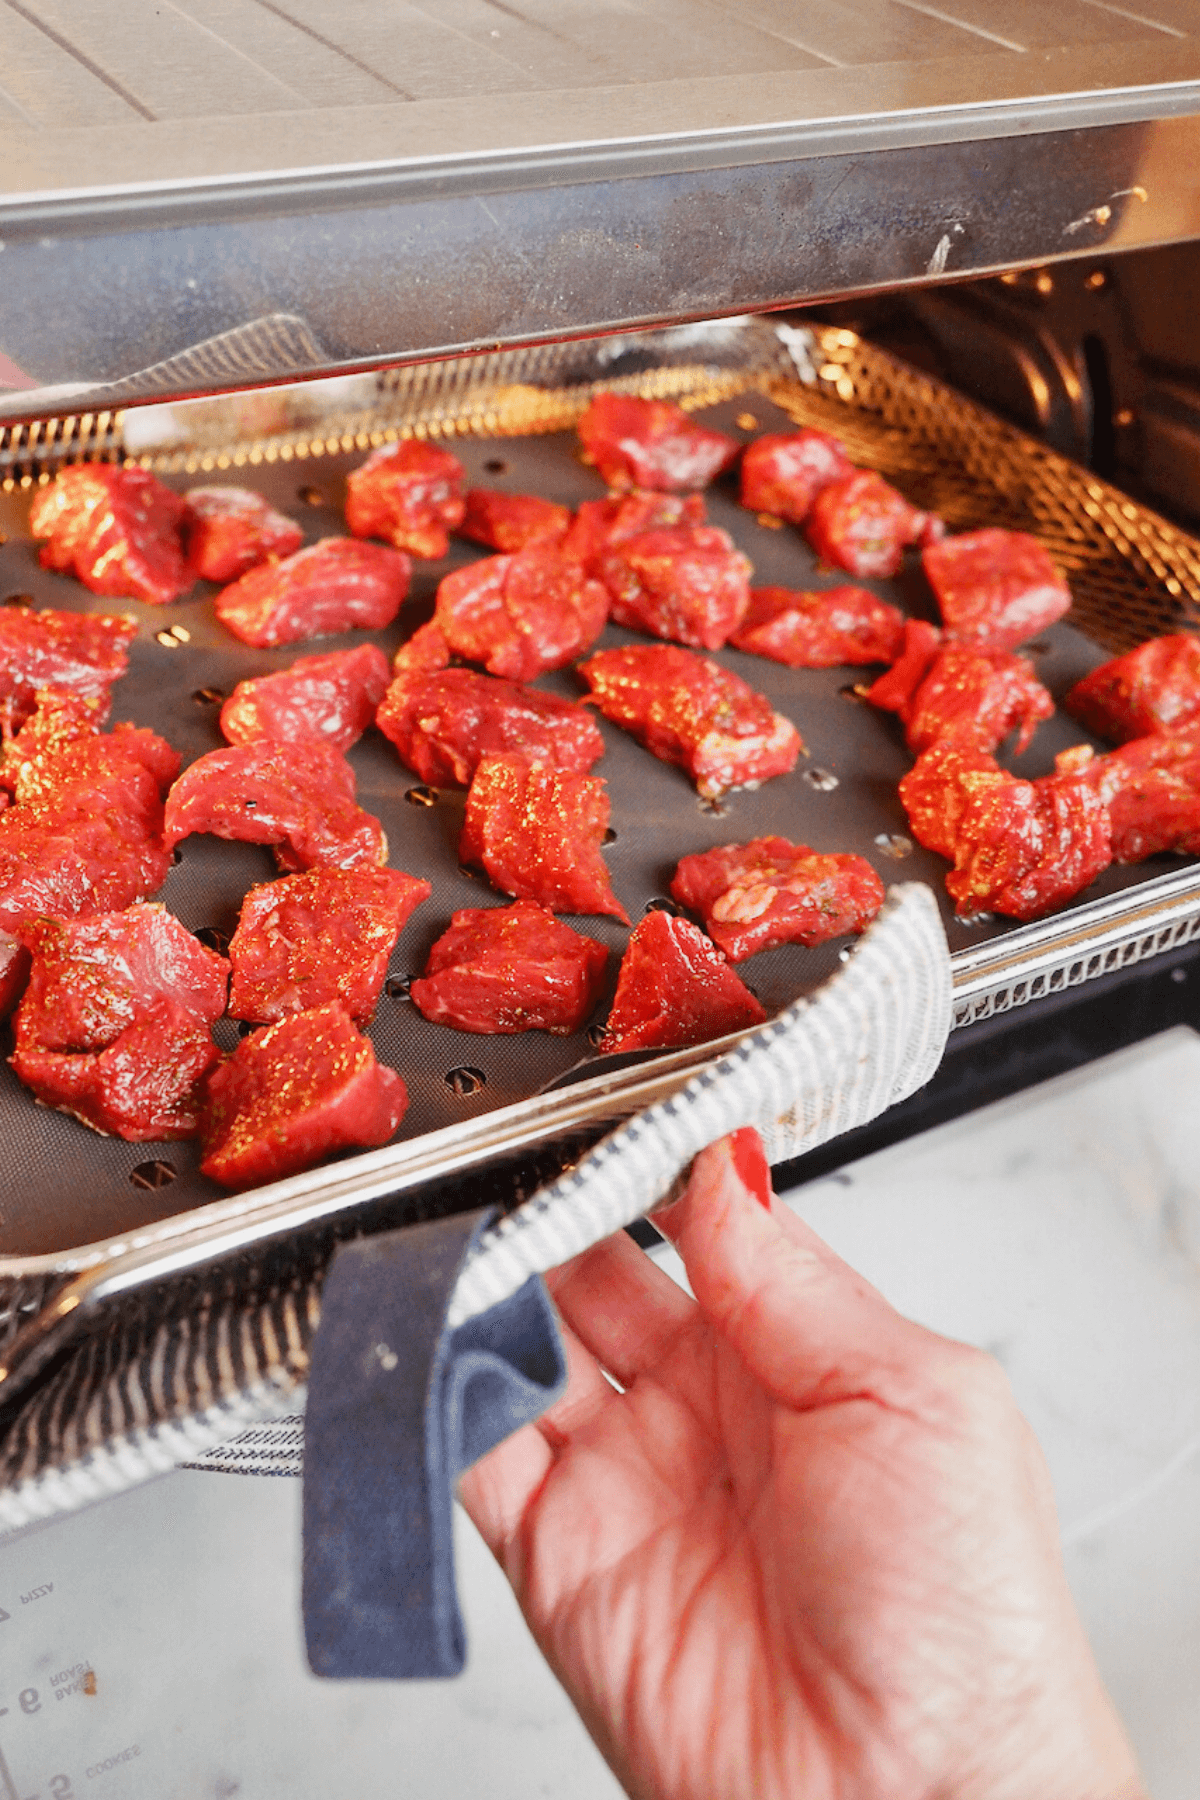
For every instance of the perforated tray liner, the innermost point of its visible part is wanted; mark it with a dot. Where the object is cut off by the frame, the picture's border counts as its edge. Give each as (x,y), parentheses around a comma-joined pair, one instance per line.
(1132,575)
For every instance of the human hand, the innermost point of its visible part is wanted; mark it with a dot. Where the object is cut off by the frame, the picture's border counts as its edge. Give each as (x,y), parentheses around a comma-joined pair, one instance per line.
(810,1551)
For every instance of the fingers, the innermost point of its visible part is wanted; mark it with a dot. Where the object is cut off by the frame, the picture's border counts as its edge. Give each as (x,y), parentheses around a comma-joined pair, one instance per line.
(624,1308)
(809,1328)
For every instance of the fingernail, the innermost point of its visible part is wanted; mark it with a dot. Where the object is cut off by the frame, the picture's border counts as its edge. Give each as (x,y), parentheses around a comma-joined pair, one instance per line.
(750,1160)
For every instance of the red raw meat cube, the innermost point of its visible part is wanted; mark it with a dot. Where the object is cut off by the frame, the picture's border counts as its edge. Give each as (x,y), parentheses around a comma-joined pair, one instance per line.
(511,968)
(651,444)
(538,831)
(754,896)
(601,525)
(315,938)
(292,1093)
(74,653)
(409,494)
(521,615)
(509,522)
(1020,848)
(332,698)
(686,583)
(863,525)
(426,649)
(298,797)
(1153,688)
(1151,787)
(230,530)
(114,1025)
(820,630)
(118,530)
(335,585)
(971,696)
(443,722)
(783,473)
(996,589)
(675,988)
(687,709)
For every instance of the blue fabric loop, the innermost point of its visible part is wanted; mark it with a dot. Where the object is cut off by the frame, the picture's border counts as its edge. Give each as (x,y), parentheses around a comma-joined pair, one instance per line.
(397,1408)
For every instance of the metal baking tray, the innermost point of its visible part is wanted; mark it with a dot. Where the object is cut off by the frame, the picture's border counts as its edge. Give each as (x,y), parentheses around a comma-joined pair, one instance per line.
(75,1201)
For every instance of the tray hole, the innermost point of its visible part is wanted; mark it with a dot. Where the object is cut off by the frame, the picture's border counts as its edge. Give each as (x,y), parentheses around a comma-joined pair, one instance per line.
(894,844)
(245,1027)
(18,599)
(662,904)
(746,421)
(155,1174)
(213,938)
(596,1035)
(208,696)
(610,836)
(310,496)
(496,465)
(975,918)
(824,780)
(176,857)
(421,796)
(174,637)
(856,690)
(772,521)
(396,987)
(471,874)
(465,1081)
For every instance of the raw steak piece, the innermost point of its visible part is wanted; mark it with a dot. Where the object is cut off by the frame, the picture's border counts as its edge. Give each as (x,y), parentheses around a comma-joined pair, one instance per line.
(862,524)
(298,797)
(1151,787)
(292,1093)
(443,722)
(601,525)
(996,589)
(318,937)
(783,473)
(511,968)
(687,583)
(1153,688)
(230,530)
(118,530)
(410,494)
(675,988)
(425,649)
(115,1024)
(1019,848)
(754,896)
(509,522)
(687,709)
(335,585)
(820,630)
(967,695)
(75,653)
(520,615)
(651,444)
(538,831)
(332,698)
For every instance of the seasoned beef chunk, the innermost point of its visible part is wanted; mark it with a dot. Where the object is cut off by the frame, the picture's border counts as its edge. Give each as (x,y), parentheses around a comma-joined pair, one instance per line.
(292,1093)
(602,525)
(972,696)
(410,495)
(1151,786)
(443,722)
(651,444)
(298,797)
(1019,848)
(538,831)
(996,589)
(314,938)
(119,531)
(1153,688)
(783,473)
(426,649)
(675,988)
(73,653)
(520,615)
(332,698)
(335,585)
(820,630)
(509,522)
(511,968)
(687,709)
(863,525)
(115,1024)
(230,530)
(769,891)
(684,582)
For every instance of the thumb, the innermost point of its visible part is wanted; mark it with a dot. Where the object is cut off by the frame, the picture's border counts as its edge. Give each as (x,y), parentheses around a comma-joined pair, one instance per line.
(810,1329)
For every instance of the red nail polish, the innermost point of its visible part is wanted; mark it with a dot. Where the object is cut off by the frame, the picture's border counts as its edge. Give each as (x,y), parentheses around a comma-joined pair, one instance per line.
(750,1160)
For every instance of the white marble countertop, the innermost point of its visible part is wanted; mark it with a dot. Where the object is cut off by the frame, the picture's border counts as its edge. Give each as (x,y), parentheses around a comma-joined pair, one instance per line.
(1060,1229)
